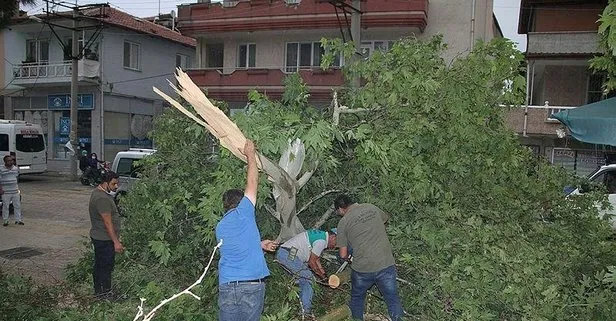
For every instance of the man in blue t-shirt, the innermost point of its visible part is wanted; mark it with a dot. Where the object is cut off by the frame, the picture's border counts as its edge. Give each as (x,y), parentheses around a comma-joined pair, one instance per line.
(242,269)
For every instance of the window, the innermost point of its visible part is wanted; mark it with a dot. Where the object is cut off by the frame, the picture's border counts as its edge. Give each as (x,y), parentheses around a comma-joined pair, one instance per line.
(605,181)
(68,49)
(370,47)
(131,55)
(214,55)
(4,142)
(126,167)
(305,55)
(595,88)
(29,143)
(37,51)
(182,61)
(247,56)
(90,53)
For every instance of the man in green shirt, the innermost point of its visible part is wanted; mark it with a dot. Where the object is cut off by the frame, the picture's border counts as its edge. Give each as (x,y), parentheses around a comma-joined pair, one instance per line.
(105,232)
(362,228)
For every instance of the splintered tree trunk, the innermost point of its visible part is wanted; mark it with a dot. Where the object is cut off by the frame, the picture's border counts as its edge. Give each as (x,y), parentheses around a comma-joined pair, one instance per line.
(335,280)
(338,314)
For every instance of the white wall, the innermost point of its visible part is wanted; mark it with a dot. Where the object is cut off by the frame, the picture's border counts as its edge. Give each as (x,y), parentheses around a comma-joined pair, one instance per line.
(452,19)
(271,45)
(157,63)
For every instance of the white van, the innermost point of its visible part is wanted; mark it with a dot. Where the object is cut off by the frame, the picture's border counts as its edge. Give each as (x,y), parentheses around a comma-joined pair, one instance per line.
(124,165)
(605,176)
(28,143)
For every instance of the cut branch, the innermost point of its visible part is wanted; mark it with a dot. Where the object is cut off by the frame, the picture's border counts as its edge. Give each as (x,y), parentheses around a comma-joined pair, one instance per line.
(187,291)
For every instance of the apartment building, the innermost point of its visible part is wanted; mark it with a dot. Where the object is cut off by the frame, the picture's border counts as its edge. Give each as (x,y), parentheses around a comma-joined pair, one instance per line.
(122,58)
(254,44)
(562,37)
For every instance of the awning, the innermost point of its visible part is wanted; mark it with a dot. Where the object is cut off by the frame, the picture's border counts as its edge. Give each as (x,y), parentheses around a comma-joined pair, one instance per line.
(593,123)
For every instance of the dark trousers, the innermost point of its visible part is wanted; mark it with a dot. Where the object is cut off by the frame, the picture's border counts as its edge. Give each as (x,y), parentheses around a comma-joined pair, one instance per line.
(104,257)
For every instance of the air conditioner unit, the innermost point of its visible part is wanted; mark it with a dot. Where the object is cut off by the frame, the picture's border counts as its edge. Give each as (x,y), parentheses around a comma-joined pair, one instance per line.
(292,1)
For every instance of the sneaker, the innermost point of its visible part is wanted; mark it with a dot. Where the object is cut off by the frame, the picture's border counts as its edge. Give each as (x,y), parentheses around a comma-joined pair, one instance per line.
(19,223)
(6,223)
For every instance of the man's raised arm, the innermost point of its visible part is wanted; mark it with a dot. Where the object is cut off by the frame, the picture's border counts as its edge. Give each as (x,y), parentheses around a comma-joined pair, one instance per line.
(252,174)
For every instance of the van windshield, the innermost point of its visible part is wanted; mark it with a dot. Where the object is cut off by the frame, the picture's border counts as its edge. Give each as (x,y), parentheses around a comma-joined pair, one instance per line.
(127,167)
(29,143)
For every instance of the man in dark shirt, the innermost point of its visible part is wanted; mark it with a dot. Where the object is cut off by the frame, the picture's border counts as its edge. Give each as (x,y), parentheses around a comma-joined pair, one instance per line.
(363,228)
(105,232)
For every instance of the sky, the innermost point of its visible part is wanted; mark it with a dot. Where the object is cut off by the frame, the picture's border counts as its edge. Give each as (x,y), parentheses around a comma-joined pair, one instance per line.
(506,11)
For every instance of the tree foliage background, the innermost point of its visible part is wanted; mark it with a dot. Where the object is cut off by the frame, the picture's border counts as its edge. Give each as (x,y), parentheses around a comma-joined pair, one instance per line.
(480,227)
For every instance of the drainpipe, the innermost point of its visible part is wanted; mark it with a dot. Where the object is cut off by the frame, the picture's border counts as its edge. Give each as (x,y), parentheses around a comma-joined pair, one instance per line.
(102,106)
(530,86)
(474,3)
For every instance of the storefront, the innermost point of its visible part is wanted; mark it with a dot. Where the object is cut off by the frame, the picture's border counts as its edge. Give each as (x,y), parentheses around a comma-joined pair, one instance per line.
(125,122)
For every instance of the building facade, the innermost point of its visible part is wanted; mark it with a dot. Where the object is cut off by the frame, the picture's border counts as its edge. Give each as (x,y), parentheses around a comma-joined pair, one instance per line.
(244,45)
(562,37)
(123,57)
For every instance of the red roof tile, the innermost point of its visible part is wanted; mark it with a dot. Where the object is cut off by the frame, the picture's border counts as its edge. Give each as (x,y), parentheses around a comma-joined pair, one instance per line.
(124,20)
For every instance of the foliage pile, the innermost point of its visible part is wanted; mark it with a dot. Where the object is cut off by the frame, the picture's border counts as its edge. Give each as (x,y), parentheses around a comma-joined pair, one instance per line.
(480,227)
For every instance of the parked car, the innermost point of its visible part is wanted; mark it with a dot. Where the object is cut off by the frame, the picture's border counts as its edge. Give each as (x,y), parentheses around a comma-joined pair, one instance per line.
(605,178)
(124,165)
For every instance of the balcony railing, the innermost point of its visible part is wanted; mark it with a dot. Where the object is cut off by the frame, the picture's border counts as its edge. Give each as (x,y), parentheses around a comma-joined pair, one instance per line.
(226,83)
(35,70)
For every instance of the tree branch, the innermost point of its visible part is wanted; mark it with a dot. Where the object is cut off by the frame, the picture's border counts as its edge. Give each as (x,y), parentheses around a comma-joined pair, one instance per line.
(151,314)
(324,217)
(346,110)
(273,212)
(316,198)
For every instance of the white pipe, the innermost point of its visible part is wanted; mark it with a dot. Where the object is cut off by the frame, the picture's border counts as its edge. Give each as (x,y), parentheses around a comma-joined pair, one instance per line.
(102,106)
(473,24)
(530,89)
(528,67)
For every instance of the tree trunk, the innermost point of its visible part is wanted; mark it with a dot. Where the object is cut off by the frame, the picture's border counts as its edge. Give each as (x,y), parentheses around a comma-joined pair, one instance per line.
(335,280)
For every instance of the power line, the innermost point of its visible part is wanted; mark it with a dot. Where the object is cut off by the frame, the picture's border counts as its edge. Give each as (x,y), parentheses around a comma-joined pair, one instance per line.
(143,78)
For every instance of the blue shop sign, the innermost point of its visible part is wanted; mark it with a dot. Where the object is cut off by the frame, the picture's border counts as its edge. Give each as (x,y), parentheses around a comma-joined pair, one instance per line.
(63,101)
(64,140)
(129,142)
(65,125)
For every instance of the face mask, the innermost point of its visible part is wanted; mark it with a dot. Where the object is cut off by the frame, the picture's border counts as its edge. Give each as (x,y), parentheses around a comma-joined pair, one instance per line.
(110,192)
(93,157)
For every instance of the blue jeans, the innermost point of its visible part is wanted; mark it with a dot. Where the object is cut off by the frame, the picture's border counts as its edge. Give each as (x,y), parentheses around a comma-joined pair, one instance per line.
(240,301)
(301,271)
(385,280)
(104,257)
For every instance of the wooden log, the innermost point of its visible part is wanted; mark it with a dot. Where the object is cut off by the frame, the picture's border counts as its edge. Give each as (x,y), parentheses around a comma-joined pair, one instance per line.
(335,280)
(338,314)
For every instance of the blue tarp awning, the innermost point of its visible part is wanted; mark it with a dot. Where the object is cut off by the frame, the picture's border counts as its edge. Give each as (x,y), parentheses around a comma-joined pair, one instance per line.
(593,123)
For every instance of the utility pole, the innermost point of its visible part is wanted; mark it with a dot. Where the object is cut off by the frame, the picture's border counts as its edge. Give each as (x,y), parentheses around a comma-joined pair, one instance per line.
(356,36)
(74,139)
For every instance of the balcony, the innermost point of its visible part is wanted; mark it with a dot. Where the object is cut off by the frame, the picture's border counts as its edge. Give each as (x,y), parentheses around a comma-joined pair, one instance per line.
(234,84)
(583,44)
(258,15)
(54,72)
(534,120)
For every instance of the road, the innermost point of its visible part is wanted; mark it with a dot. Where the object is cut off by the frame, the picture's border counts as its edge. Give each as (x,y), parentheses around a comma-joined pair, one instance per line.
(55,213)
